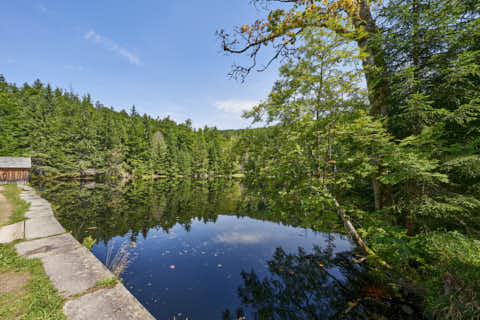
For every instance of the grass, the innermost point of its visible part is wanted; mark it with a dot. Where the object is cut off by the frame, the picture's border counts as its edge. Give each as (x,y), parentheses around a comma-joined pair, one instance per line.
(103,284)
(38,299)
(12,193)
(118,262)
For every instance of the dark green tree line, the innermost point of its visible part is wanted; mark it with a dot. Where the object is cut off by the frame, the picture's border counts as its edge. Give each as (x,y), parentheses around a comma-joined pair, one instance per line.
(70,135)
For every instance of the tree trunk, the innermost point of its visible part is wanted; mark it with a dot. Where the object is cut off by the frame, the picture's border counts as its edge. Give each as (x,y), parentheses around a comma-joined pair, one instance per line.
(377,193)
(374,66)
(352,232)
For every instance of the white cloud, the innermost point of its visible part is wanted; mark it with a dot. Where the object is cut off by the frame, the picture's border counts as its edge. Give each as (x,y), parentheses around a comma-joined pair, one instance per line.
(112,46)
(240,238)
(236,106)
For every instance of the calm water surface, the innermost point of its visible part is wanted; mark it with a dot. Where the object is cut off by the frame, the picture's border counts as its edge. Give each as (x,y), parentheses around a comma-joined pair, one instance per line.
(196,254)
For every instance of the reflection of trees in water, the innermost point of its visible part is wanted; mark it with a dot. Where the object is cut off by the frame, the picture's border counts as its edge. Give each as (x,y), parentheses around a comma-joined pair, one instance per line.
(105,211)
(318,285)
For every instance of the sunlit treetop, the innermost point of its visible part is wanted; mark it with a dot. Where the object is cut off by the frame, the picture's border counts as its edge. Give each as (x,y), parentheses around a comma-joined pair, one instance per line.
(283,26)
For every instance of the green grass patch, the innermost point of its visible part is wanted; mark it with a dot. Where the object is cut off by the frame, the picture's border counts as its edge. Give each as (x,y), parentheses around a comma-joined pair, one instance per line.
(38,299)
(103,284)
(12,193)
(107,283)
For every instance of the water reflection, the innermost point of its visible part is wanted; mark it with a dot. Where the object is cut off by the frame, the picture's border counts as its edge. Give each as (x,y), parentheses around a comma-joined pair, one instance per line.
(201,252)
(318,285)
(104,212)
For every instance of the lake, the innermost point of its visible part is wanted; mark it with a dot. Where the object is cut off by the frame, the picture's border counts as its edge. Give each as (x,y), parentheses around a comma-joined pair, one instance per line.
(192,251)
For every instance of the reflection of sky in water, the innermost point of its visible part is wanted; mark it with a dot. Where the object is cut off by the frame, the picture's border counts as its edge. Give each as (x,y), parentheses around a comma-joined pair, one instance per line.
(207,263)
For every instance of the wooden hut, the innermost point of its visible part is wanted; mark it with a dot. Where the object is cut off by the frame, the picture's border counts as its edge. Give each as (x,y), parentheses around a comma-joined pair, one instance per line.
(14,169)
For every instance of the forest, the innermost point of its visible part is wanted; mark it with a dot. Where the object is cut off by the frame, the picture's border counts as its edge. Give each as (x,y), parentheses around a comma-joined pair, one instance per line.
(372,129)
(70,136)
(375,119)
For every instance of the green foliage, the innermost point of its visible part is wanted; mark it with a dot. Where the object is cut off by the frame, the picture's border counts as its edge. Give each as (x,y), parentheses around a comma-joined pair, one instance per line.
(446,263)
(409,176)
(68,135)
(88,242)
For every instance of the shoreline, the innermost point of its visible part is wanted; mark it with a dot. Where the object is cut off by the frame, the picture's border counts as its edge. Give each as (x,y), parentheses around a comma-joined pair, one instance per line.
(90,289)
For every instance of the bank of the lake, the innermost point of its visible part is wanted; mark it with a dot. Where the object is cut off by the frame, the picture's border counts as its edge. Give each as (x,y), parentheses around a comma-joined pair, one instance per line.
(196,249)
(53,276)
(26,291)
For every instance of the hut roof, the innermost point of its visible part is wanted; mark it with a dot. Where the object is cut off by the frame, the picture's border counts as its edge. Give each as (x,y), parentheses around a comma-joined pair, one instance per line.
(15,162)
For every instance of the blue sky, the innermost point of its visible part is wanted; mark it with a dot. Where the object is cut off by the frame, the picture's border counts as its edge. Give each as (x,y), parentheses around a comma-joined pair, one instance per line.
(162,56)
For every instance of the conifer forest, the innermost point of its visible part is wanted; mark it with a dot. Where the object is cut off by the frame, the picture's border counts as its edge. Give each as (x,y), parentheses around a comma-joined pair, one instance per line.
(371,130)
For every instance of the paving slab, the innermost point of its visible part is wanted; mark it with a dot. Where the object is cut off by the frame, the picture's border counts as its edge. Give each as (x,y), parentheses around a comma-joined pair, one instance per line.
(116,303)
(28,197)
(35,200)
(75,271)
(38,202)
(42,227)
(47,246)
(12,232)
(29,194)
(40,207)
(39,213)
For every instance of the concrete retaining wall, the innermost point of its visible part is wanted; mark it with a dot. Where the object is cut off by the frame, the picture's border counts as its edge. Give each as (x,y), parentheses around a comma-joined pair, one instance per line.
(73,269)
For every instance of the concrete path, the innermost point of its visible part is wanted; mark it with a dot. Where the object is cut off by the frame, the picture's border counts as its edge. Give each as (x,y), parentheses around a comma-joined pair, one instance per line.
(73,269)
(12,232)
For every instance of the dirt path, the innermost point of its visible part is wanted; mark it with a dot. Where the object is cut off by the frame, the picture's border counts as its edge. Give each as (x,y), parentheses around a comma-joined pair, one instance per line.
(5,209)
